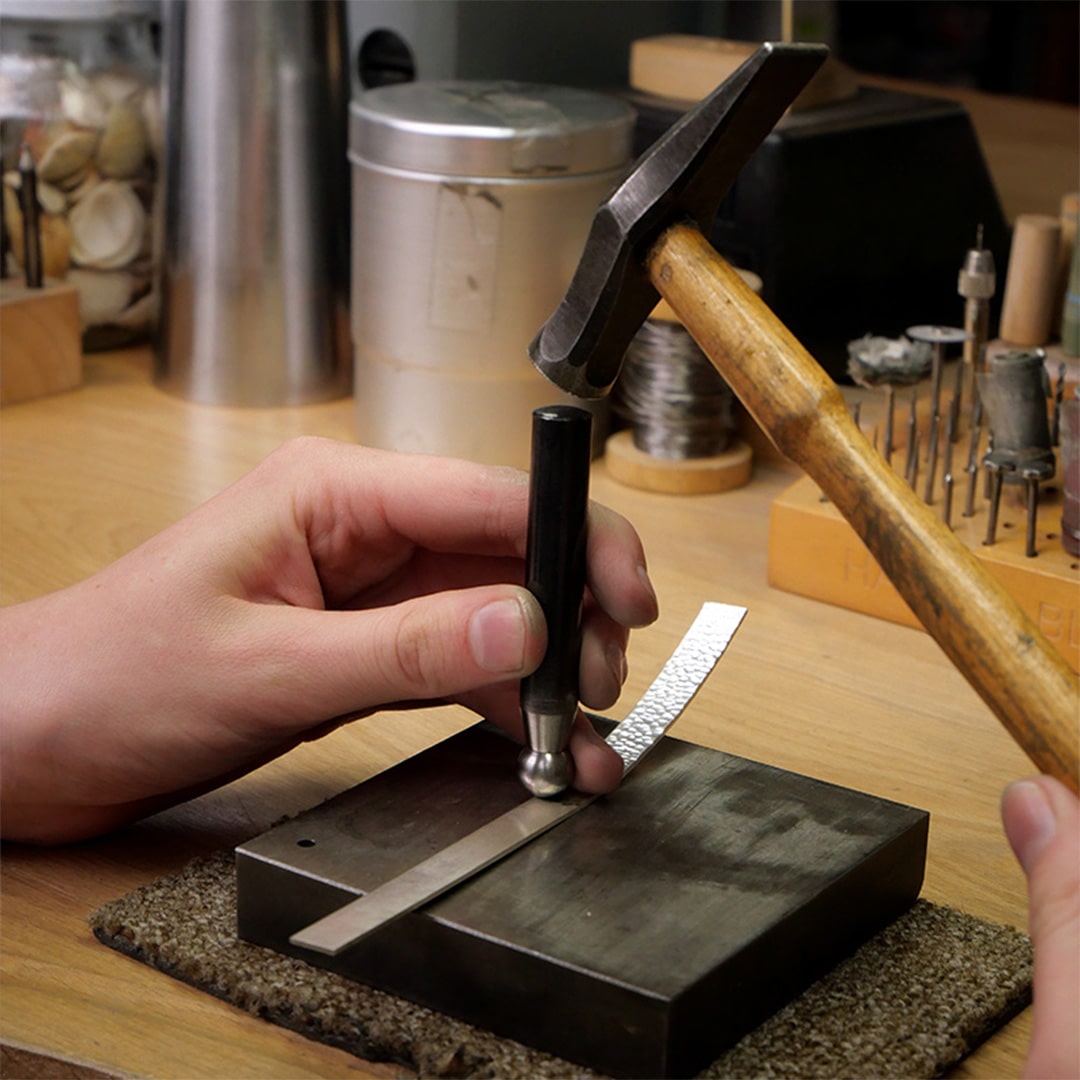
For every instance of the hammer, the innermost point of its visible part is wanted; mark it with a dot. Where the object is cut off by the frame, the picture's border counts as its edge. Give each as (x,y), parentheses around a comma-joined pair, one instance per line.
(646,240)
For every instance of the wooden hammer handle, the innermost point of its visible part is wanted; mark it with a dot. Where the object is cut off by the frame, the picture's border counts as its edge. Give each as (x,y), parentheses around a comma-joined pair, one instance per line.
(997,648)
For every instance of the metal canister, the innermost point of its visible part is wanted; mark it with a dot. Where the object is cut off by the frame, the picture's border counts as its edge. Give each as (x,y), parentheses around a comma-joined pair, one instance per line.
(471,204)
(254,266)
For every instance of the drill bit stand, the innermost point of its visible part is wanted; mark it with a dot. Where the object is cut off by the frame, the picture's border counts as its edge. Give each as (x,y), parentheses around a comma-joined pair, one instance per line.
(815,553)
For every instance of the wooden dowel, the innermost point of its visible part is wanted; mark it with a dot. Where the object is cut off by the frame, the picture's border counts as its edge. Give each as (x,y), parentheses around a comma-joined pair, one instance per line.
(1028,305)
(997,648)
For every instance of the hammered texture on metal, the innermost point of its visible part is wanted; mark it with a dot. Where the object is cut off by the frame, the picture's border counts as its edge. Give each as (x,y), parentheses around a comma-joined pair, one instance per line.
(679,680)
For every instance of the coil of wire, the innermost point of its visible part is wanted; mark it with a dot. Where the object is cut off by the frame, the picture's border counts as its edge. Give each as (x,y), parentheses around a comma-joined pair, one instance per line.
(676,404)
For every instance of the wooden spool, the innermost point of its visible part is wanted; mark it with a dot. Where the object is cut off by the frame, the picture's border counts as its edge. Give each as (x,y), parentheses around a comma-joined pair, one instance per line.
(690,476)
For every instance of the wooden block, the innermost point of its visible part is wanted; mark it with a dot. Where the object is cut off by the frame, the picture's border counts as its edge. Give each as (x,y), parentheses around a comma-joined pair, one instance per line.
(640,937)
(688,67)
(814,552)
(40,340)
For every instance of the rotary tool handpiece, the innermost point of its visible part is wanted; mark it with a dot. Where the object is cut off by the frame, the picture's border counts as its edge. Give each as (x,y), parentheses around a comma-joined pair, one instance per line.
(555,575)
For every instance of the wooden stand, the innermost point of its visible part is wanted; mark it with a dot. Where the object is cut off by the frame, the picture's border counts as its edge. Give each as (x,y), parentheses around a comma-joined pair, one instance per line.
(815,553)
(40,340)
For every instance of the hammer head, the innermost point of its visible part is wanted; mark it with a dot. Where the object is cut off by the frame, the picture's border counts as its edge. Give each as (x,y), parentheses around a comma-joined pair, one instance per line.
(684,175)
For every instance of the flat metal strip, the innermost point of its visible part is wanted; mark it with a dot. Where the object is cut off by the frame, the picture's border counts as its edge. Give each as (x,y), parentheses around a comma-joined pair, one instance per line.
(672,690)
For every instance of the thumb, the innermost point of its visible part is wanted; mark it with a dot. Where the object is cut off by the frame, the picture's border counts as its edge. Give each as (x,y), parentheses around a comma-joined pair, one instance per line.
(1042,822)
(428,647)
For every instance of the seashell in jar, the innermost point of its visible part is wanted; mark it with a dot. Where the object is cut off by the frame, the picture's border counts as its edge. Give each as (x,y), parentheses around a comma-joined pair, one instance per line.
(55,246)
(107,226)
(115,86)
(66,156)
(76,179)
(143,313)
(51,199)
(103,294)
(121,152)
(80,102)
(90,179)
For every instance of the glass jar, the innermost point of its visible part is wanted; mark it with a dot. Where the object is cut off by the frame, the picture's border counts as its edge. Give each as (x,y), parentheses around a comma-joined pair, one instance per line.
(80,86)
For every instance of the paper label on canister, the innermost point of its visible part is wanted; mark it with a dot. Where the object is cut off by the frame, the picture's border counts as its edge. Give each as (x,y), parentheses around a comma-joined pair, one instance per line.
(466,257)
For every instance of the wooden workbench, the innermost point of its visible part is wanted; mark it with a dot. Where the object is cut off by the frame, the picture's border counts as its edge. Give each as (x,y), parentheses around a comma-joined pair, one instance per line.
(834,694)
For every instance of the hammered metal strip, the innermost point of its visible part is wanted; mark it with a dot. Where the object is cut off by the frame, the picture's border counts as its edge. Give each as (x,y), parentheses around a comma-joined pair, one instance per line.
(672,690)
(681,678)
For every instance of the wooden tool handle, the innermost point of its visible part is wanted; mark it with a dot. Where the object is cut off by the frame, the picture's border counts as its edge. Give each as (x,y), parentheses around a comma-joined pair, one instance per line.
(997,648)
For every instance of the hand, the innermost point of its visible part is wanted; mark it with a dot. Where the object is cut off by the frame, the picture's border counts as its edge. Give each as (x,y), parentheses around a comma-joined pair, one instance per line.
(1042,822)
(332,581)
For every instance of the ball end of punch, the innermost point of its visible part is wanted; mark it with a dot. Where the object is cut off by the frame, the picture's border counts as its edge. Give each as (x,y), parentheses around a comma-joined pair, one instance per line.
(545,775)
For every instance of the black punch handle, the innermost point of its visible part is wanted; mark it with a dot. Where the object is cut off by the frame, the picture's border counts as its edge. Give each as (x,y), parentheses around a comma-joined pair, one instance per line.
(555,551)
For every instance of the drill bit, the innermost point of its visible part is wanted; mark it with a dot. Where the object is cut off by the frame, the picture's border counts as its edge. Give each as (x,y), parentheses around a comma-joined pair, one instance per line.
(935,380)
(955,404)
(1031,478)
(938,337)
(947,481)
(890,408)
(931,459)
(912,435)
(972,468)
(912,472)
(996,470)
(976,283)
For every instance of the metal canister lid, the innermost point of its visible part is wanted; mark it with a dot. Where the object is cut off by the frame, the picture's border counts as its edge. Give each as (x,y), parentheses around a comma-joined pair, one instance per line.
(490,129)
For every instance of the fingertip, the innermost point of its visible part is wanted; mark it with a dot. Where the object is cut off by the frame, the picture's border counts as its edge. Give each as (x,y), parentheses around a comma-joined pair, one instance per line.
(618,577)
(597,768)
(603,669)
(507,636)
(650,606)
(1029,818)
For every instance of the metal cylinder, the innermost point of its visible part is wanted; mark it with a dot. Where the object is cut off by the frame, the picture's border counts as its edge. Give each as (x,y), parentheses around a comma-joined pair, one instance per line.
(254,266)
(1014,391)
(471,204)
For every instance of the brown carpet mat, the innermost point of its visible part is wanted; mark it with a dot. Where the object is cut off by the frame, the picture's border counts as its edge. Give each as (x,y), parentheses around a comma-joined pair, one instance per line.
(911,1003)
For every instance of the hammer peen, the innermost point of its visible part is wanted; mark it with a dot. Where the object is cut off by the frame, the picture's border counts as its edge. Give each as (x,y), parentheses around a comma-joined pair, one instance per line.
(646,240)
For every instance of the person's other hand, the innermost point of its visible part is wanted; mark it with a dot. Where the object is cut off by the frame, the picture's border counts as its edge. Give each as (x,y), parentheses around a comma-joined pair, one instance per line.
(331,581)
(1042,821)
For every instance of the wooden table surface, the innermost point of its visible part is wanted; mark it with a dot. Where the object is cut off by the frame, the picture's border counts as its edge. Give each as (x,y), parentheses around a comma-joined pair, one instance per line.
(807,687)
